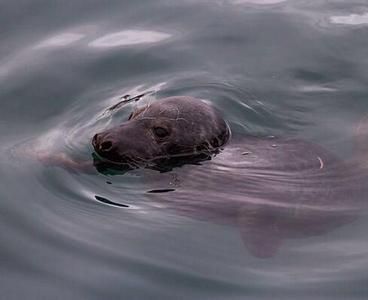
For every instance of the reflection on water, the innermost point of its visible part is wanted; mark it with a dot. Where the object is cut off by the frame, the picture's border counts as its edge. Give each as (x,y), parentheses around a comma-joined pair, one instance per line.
(61,40)
(316,89)
(353,19)
(129,37)
(261,2)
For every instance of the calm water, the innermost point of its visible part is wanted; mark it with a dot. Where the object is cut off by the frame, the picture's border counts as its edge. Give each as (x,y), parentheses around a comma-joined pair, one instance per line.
(284,68)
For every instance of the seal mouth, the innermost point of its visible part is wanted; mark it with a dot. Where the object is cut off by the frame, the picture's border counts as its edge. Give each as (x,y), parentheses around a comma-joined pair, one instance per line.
(126,163)
(103,153)
(123,160)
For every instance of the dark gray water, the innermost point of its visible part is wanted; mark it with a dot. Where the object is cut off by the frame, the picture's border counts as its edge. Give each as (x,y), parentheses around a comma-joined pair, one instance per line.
(282,68)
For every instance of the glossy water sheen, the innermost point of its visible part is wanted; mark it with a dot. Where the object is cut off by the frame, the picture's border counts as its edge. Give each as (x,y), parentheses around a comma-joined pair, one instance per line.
(273,67)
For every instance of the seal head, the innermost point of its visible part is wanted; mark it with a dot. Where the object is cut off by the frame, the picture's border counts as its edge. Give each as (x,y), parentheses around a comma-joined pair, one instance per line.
(167,133)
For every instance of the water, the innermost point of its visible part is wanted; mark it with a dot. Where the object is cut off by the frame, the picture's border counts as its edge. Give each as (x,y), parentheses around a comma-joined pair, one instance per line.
(283,68)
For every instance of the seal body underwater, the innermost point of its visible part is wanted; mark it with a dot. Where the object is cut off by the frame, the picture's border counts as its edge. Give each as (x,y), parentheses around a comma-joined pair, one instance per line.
(270,188)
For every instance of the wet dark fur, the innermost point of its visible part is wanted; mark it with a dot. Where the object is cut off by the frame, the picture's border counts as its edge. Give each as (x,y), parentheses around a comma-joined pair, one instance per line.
(194,132)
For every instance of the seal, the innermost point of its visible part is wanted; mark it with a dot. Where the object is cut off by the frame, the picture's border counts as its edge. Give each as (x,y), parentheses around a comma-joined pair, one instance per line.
(271,189)
(167,133)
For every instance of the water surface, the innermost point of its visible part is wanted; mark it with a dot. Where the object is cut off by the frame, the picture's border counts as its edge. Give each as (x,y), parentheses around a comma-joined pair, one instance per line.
(274,68)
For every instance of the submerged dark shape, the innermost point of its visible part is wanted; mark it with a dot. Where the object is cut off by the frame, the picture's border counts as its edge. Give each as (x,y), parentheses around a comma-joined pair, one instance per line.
(272,189)
(109,202)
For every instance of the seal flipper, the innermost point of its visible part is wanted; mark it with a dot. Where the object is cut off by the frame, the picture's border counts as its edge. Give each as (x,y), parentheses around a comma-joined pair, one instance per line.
(260,232)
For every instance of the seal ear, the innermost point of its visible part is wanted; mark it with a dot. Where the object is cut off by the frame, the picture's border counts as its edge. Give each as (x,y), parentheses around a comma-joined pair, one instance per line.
(259,231)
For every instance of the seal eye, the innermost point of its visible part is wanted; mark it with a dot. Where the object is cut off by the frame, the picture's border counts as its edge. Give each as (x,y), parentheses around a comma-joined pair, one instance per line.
(160,132)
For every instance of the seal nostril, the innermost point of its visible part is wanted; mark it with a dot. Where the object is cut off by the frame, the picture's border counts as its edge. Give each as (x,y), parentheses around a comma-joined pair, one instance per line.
(106,146)
(94,140)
